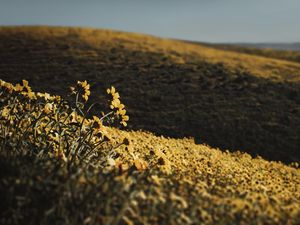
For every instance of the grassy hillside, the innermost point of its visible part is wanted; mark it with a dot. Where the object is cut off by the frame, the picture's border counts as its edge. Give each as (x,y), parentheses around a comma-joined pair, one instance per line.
(54,171)
(228,100)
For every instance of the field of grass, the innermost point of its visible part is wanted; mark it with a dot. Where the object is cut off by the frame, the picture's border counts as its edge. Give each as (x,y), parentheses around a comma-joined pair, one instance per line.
(228,100)
(196,107)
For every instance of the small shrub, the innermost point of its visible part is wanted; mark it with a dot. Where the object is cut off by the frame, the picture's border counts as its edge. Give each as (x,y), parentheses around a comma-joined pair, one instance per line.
(50,149)
(51,126)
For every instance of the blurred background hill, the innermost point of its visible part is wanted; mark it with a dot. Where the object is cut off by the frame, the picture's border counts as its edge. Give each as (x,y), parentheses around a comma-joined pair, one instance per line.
(226,99)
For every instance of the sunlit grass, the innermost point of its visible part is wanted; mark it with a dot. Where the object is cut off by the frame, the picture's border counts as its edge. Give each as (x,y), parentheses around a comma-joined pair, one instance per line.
(61,165)
(176,50)
(288,55)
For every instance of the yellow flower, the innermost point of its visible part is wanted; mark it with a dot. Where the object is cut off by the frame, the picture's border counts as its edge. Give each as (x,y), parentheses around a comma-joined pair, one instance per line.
(86,89)
(19,88)
(73,117)
(121,112)
(86,95)
(28,106)
(115,103)
(31,95)
(121,106)
(47,96)
(25,83)
(97,121)
(5,112)
(111,91)
(116,95)
(118,106)
(84,84)
(48,108)
(54,137)
(140,164)
(56,98)
(123,123)
(39,94)
(125,118)
(10,88)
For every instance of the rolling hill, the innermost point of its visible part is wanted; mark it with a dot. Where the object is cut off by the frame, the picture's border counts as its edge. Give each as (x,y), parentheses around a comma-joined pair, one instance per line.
(228,100)
(278,46)
(289,52)
(191,109)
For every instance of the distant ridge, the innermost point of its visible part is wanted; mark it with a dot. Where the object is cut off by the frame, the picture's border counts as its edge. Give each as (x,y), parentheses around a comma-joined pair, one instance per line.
(295,46)
(283,51)
(278,46)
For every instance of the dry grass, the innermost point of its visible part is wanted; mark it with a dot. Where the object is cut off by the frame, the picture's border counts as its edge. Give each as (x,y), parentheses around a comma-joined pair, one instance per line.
(228,100)
(146,180)
(293,56)
(260,66)
(176,50)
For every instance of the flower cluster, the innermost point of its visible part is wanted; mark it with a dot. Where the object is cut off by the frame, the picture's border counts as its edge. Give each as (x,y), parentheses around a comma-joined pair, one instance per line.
(50,124)
(118,106)
(94,179)
(83,89)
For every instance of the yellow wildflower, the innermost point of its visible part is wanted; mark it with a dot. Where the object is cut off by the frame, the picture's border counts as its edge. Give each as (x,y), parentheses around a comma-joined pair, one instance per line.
(86,89)
(5,112)
(125,118)
(97,122)
(25,83)
(48,108)
(111,91)
(19,88)
(115,103)
(123,123)
(47,96)
(121,112)
(31,95)
(8,86)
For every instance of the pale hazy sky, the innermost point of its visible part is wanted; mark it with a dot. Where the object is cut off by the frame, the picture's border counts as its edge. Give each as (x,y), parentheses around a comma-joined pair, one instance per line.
(200,20)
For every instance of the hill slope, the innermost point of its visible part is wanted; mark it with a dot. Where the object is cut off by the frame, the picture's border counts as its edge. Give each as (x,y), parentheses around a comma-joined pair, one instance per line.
(227,100)
(58,168)
(295,46)
(283,54)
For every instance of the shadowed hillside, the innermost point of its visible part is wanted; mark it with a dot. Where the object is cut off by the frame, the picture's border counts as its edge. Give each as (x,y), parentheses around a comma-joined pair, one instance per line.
(227,100)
